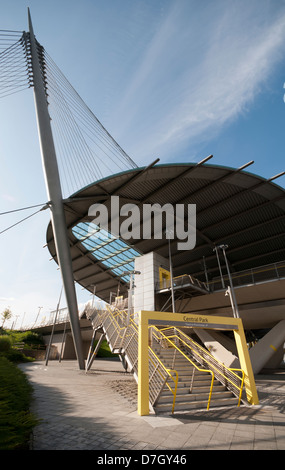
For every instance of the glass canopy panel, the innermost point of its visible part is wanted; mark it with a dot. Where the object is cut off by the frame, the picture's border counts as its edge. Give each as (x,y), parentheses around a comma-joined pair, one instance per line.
(112,252)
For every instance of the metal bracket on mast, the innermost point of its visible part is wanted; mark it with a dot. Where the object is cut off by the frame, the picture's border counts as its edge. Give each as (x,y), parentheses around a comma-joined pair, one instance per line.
(54,194)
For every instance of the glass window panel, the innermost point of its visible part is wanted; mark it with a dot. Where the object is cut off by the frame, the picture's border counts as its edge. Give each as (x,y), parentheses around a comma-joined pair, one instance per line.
(110,251)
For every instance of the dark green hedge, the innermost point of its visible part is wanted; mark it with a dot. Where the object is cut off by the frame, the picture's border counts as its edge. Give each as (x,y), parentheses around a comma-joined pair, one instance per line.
(16,420)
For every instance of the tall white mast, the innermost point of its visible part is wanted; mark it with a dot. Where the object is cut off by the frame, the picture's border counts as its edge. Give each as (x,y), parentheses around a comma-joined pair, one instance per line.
(55,195)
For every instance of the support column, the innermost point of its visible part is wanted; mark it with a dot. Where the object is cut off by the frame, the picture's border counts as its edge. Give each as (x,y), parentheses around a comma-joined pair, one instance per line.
(267,346)
(245,364)
(143,373)
(55,196)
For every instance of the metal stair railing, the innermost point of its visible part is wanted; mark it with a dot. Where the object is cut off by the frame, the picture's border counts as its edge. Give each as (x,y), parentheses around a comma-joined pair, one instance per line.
(159,377)
(229,377)
(184,280)
(123,338)
(166,343)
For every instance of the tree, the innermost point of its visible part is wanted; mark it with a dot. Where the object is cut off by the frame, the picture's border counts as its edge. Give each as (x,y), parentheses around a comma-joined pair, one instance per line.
(6,315)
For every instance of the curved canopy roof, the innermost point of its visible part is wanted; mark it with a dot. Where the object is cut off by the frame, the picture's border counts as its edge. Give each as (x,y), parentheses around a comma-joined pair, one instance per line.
(233,207)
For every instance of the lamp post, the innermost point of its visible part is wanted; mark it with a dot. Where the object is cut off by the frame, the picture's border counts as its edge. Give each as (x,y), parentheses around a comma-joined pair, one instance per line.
(231,292)
(23,319)
(169,232)
(14,324)
(205,271)
(220,269)
(37,316)
(93,295)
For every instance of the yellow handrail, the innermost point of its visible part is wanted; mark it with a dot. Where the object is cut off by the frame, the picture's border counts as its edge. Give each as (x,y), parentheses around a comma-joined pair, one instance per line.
(193,363)
(209,354)
(133,326)
(168,371)
(113,320)
(242,383)
(122,331)
(215,359)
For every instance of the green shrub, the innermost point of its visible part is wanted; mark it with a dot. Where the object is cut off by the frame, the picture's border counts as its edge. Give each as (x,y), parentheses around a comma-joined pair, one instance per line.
(29,338)
(16,356)
(16,421)
(5,343)
(7,350)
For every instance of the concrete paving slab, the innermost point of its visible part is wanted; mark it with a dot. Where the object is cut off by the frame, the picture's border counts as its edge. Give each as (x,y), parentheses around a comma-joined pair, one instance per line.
(94,411)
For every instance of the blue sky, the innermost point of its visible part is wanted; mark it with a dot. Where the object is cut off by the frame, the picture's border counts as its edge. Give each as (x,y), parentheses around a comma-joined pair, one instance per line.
(178,80)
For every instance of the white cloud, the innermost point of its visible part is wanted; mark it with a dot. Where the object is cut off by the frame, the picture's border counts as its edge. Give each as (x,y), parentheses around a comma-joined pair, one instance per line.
(200,71)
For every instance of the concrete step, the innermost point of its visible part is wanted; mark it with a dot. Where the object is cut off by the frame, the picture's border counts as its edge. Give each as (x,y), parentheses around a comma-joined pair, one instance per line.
(187,365)
(188,371)
(182,390)
(199,404)
(182,363)
(198,379)
(189,397)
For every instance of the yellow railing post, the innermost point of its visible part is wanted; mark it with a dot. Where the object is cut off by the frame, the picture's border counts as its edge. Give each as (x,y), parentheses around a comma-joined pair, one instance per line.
(197,321)
(143,374)
(245,365)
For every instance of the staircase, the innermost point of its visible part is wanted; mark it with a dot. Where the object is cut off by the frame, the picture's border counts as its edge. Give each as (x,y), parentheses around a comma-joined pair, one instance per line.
(182,374)
(193,386)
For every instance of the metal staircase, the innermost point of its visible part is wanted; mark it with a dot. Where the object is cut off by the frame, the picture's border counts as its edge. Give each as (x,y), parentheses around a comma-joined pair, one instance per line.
(182,374)
(193,386)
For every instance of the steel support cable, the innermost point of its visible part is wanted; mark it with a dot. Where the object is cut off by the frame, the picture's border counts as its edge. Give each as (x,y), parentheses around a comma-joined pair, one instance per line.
(71,97)
(61,104)
(65,123)
(12,91)
(12,76)
(9,53)
(100,136)
(102,150)
(24,208)
(10,47)
(14,73)
(75,107)
(59,101)
(69,135)
(74,104)
(68,157)
(17,77)
(61,127)
(14,64)
(67,169)
(20,221)
(14,49)
(10,33)
(16,83)
(88,113)
(71,110)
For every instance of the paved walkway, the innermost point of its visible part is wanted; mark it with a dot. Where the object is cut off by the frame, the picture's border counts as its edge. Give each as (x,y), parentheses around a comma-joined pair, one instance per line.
(97,411)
